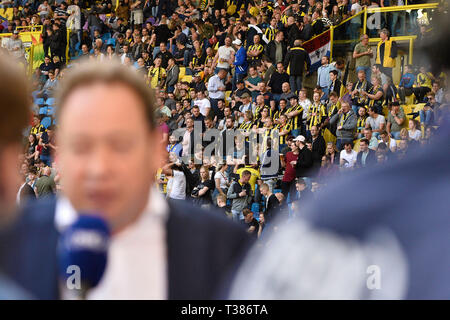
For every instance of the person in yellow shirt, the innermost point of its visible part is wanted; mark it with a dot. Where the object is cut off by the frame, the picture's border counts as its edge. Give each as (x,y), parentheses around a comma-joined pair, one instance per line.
(316,113)
(423,84)
(255,175)
(156,74)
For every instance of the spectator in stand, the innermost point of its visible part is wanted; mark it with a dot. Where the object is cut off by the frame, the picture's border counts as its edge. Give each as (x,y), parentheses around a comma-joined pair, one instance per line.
(318,149)
(296,59)
(405,87)
(362,55)
(366,157)
(240,63)
(346,122)
(348,156)
(271,203)
(413,132)
(395,120)
(278,78)
(216,88)
(276,49)
(390,142)
(386,53)
(253,226)
(240,194)
(323,77)
(375,121)
(202,193)
(304,162)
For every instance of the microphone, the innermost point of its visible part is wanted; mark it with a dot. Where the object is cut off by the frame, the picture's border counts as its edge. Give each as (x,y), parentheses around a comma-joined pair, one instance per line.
(82,255)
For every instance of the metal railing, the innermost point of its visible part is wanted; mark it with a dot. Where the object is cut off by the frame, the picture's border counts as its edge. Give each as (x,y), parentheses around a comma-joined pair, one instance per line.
(366,11)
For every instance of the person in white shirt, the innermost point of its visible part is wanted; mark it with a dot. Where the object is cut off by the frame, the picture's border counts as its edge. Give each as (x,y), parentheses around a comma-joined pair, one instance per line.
(348,156)
(414,133)
(390,142)
(216,88)
(225,55)
(304,102)
(176,186)
(203,103)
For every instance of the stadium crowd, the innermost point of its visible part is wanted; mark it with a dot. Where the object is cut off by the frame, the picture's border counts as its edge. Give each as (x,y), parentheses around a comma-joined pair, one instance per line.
(238,68)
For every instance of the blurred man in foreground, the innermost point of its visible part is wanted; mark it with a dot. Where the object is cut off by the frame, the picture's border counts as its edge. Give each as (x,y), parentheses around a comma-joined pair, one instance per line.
(15,114)
(108,154)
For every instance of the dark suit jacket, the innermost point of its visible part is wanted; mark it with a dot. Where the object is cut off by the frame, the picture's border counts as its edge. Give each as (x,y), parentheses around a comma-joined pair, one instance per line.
(203,250)
(271,50)
(371,159)
(336,87)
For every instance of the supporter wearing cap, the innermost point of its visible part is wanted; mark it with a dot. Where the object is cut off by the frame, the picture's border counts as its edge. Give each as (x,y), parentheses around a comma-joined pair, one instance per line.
(240,63)
(304,162)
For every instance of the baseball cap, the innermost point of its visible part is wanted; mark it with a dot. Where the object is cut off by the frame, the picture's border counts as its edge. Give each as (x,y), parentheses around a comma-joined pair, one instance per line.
(237,42)
(300,138)
(16,31)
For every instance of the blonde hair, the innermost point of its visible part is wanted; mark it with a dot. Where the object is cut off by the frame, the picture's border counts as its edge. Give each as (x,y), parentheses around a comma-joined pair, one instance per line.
(90,72)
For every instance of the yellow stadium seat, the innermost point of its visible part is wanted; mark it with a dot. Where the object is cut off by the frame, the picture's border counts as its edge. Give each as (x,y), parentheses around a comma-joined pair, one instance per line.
(186,78)
(2,12)
(356,145)
(227,95)
(409,99)
(182,73)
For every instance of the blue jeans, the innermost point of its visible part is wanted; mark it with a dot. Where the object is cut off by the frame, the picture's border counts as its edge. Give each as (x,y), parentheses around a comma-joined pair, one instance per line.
(295,83)
(326,91)
(398,16)
(395,135)
(425,117)
(355,108)
(353,30)
(47,160)
(237,215)
(367,71)
(155,51)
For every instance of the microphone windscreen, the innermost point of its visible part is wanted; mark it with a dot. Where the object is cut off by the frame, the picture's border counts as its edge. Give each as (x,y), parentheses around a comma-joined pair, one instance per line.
(84,247)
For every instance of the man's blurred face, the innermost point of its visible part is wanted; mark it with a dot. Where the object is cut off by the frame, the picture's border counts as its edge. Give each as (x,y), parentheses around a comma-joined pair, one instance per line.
(314,131)
(228,41)
(195,112)
(285,87)
(282,104)
(348,148)
(107,164)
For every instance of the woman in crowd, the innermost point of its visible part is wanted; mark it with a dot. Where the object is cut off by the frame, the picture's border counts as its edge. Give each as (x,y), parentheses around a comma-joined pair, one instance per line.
(203,191)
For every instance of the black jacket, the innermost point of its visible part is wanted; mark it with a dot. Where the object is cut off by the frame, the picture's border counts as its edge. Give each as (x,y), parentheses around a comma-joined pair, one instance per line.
(271,50)
(304,163)
(318,149)
(202,250)
(296,59)
(371,159)
(337,87)
(293,34)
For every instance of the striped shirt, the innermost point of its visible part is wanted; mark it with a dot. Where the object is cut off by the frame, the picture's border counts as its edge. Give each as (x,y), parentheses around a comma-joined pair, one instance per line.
(257,47)
(296,121)
(314,120)
(270,33)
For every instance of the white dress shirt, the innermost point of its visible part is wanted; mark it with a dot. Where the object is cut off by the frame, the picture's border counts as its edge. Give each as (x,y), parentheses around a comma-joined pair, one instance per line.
(137,256)
(214,84)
